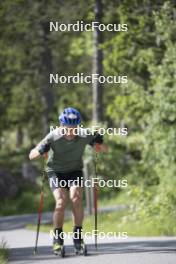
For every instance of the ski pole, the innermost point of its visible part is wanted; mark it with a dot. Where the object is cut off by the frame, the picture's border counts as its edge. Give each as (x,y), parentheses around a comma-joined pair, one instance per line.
(95,215)
(96,197)
(40,207)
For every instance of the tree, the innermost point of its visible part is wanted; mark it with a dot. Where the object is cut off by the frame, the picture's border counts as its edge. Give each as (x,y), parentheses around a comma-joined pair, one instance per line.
(97,87)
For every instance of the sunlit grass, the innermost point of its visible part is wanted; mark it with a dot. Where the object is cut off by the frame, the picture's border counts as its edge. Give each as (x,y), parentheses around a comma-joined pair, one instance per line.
(119,222)
(3,252)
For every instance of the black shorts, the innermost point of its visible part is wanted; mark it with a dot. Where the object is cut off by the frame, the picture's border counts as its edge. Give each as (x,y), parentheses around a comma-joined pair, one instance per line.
(64,180)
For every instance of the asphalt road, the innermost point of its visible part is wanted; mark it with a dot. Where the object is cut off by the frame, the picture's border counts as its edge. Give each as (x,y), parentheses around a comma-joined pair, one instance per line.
(131,250)
(154,250)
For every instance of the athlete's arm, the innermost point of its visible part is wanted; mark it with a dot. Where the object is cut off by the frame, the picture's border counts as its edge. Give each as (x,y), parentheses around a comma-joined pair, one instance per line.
(97,143)
(34,153)
(38,151)
(42,148)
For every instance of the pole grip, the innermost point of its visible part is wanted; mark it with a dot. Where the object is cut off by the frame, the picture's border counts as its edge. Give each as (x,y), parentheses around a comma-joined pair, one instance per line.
(45,155)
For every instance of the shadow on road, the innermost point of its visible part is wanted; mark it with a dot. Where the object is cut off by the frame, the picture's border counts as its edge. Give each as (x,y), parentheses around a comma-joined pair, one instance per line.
(45,252)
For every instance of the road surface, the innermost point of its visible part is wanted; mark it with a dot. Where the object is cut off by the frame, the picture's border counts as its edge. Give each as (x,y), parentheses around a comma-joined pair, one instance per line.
(131,250)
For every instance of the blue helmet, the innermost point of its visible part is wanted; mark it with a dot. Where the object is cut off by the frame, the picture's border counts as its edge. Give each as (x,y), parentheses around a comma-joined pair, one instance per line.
(70,116)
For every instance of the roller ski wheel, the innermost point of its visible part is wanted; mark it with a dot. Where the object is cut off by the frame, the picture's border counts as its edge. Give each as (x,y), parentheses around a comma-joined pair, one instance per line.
(59,250)
(62,253)
(84,250)
(81,249)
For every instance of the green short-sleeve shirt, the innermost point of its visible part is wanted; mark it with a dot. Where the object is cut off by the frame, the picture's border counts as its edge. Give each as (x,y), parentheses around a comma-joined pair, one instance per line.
(66,155)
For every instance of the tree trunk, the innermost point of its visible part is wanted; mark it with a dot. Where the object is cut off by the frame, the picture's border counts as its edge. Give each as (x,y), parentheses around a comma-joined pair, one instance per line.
(97,88)
(47,96)
(19,137)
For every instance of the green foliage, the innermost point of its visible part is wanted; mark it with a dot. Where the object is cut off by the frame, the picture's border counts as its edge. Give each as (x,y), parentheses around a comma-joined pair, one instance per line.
(27,200)
(146,105)
(4,253)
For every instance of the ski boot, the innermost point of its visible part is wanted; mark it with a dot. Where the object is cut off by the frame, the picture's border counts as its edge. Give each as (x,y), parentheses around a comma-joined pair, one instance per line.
(79,245)
(58,243)
(80,248)
(59,249)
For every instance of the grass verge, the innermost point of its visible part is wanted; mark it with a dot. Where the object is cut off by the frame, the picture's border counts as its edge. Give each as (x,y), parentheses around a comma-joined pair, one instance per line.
(3,253)
(117,222)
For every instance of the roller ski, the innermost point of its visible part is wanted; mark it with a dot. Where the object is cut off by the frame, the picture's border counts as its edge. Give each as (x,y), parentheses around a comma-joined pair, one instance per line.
(80,249)
(58,243)
(59,250)
(79,245)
